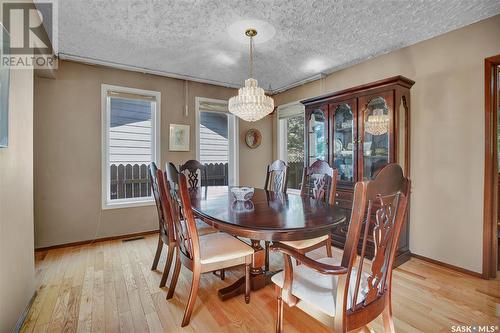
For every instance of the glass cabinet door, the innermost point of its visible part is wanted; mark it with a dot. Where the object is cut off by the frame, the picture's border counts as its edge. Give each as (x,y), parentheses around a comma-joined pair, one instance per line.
(374,144)
(344,152)
(318,129)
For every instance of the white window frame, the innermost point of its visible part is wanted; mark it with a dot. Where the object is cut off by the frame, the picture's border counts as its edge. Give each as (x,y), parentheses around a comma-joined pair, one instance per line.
(107,203)
(281,138)
(233,133)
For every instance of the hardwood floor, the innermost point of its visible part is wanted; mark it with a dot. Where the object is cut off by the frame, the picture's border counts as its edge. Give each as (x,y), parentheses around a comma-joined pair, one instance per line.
(109,287)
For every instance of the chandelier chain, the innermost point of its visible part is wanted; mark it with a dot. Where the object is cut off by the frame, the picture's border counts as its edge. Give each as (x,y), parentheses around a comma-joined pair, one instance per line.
(251,57)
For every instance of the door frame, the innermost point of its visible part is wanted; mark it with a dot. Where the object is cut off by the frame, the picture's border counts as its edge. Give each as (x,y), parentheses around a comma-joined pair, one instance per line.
(490,238)
(288,110)
(233,132)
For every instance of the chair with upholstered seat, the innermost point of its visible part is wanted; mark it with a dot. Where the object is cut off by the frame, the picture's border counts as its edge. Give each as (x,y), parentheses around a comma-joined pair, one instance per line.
(276,180)
(340,293)
(319,182)
(198,253)
(276,177)
(193,171)
(196,176)
(196,173)
(166,233)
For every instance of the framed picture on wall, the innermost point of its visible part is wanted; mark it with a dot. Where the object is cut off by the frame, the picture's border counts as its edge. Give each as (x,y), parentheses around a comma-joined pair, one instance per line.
(4,91)
(179,137)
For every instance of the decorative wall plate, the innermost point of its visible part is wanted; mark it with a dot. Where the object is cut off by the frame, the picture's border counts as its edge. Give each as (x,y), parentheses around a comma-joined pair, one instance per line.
(253,138)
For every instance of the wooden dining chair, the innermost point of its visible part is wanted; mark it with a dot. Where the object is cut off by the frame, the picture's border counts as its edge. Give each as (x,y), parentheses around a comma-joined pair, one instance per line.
(166,233)
(319,181)
(276,177)
(342,295)
(199,253)
(196,173)
(276,181)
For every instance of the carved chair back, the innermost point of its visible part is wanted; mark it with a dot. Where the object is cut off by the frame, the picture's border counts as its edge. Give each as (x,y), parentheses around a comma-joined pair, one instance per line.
(379,208)
(196,173)
(153,170)
(276,177)
(182,214)
(319,181)
(165,206)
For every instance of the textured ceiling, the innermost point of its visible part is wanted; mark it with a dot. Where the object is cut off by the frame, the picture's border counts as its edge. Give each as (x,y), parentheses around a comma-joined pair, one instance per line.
(190,38)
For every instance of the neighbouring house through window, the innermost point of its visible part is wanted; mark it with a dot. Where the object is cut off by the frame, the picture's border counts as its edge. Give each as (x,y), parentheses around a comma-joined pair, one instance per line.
(216,141)
(130,143)
(214,146)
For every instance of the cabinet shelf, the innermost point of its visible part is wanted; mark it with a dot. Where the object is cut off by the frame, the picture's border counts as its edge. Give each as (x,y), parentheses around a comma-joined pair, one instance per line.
(343,130)
(376,156)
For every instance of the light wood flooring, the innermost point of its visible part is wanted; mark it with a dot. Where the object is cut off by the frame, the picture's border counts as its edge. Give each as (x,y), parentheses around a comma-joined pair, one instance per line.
(109,287)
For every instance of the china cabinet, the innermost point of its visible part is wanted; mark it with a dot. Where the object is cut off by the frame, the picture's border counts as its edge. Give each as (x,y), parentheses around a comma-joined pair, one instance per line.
(358,131)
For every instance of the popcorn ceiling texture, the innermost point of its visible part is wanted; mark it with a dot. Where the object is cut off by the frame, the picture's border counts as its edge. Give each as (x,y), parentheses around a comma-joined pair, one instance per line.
(190,37)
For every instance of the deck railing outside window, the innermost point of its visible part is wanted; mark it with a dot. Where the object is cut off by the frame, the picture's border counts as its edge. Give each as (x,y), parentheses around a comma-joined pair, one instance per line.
(217,174)
(129,181)
(132,180)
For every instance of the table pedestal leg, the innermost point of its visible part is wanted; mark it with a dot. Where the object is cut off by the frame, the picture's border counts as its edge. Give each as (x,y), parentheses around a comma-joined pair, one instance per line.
(259,278)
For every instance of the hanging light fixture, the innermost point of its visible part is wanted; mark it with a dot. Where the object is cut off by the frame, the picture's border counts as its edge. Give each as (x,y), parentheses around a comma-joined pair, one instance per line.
(251,104)
(377,123)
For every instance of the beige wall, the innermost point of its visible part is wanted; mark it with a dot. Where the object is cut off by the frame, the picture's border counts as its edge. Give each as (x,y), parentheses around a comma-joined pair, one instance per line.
(447,149)
(17,273)
(68,150)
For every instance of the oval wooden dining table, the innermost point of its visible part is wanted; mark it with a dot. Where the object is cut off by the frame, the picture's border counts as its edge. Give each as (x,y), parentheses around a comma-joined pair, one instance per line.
(268,216)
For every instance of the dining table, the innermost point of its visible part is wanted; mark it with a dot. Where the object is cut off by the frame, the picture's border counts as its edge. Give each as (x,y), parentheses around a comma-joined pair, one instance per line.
(267,216)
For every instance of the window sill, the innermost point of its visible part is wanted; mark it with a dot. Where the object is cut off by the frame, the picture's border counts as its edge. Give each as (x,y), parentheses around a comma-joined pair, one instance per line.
(117,204)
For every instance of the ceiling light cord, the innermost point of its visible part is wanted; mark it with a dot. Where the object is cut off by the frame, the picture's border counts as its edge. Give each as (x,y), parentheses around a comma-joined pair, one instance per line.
(251,57)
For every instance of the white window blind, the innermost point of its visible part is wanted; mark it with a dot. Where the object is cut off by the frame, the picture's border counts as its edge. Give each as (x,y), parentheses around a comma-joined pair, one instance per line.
(290,110)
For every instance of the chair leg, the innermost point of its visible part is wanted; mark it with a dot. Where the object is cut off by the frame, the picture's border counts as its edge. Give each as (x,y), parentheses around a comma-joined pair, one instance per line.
(221,273)
(192,297)
(301,252)
(367,329)
(388,322)
(175,276)
(158,253)
(168,263)
(267,256)
(279,317)
(247,283)
(329,247)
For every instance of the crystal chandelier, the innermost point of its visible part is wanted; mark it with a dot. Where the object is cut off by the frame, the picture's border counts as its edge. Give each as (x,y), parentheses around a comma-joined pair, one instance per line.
(251,104)
(378,123)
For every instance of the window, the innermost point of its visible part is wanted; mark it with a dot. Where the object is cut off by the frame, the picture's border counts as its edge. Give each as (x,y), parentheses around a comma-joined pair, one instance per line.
(130,142)
(216,143)
(291,142)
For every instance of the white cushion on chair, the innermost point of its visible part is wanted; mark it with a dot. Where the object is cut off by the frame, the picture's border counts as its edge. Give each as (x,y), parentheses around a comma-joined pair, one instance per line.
(302,244)
(204,228)
(320,290)
(217,247)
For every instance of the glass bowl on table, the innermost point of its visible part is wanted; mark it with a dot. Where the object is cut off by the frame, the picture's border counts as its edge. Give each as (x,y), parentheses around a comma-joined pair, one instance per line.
(242,193)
